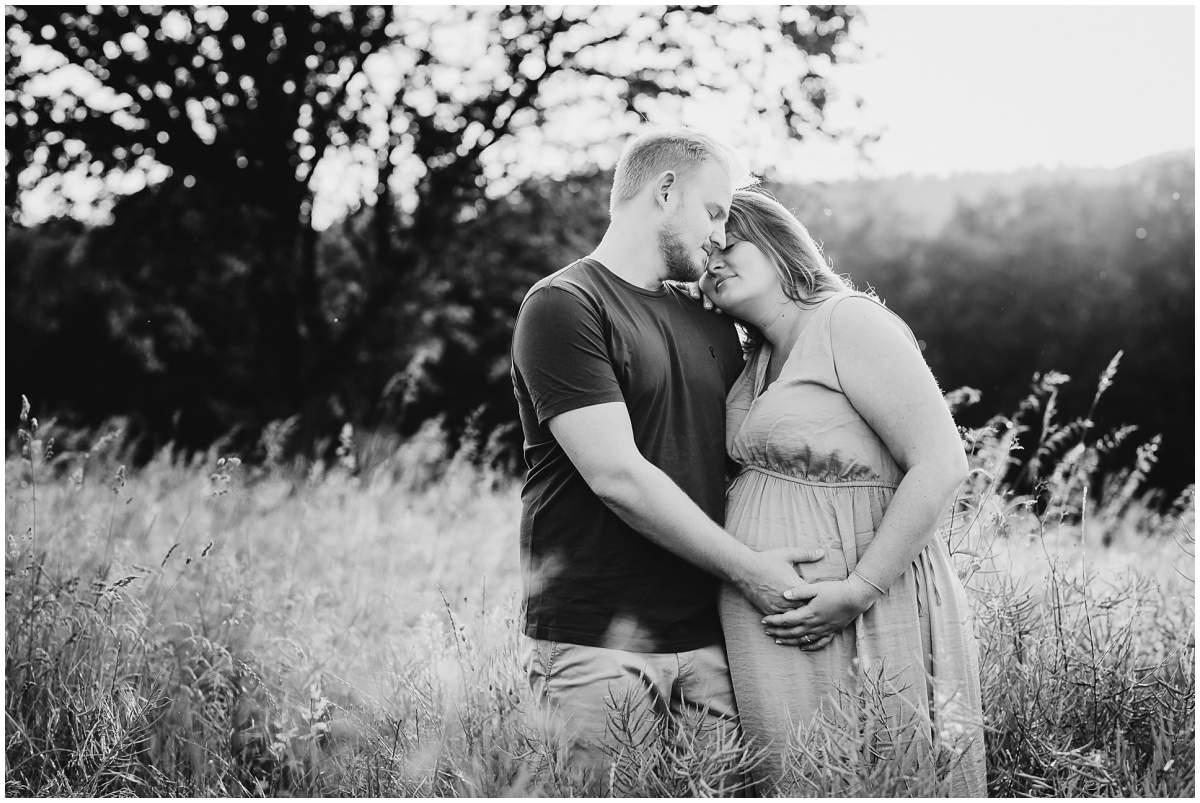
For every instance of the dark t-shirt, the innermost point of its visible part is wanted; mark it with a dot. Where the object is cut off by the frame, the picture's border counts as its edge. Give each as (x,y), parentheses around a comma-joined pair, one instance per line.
(585,336)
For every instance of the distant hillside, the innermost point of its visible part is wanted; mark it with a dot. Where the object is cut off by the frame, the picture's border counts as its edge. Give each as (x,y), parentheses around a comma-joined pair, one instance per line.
(928,202)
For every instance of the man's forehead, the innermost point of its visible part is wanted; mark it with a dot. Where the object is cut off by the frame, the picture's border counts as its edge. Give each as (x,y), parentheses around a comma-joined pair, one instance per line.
(715,180)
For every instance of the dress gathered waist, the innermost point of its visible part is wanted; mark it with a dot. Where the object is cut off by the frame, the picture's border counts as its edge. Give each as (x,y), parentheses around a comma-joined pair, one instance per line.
(803,481)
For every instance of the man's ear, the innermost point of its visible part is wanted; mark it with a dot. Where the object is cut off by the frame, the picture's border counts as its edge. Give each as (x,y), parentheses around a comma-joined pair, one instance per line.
(665,188)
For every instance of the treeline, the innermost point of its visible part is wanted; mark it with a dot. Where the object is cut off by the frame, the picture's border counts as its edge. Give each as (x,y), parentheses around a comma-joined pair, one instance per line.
(1057,273)
(210,307)
(212,304)
(152,319)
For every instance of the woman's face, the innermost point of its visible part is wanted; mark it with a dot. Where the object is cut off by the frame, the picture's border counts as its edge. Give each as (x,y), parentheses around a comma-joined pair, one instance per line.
(740,277)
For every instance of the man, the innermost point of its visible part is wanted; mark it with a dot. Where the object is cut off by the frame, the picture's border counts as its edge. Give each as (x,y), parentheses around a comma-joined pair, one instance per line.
(620,382)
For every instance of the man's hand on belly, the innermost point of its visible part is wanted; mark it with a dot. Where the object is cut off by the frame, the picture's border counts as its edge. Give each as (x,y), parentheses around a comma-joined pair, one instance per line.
(766,575)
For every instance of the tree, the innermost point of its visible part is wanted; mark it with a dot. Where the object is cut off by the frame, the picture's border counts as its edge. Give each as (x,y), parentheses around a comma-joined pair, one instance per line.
(247,107)
(235,102)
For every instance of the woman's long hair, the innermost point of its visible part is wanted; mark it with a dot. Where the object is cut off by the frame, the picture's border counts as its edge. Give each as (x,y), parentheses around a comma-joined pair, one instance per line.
(805,276)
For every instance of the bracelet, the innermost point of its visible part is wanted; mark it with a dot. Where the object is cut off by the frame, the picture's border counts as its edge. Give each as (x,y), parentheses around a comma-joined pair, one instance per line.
(868,581)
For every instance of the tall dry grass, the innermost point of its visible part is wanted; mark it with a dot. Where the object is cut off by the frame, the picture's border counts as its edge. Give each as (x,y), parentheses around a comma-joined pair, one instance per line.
(205,627)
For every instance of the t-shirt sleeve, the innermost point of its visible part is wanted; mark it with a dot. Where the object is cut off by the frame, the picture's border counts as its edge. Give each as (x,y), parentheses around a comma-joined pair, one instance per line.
(561,354)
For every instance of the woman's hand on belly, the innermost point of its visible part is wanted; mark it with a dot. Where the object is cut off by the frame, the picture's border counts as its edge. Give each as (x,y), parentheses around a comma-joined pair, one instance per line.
(829,606)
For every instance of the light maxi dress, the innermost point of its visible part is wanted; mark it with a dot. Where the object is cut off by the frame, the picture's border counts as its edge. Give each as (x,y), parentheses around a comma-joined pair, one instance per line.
(814,474)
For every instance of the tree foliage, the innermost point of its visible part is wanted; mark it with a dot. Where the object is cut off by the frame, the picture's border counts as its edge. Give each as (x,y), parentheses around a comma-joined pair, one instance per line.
(211,303)
(1055,275)
(214,272)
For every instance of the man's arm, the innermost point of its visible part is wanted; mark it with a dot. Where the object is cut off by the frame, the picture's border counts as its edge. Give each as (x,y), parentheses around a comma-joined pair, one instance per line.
(598,439)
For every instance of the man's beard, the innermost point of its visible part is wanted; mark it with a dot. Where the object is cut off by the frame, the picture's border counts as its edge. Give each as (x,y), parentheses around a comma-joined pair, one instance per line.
(680,265)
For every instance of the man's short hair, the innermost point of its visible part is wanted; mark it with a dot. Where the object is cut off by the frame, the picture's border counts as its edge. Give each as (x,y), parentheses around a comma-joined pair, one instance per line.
(650,154)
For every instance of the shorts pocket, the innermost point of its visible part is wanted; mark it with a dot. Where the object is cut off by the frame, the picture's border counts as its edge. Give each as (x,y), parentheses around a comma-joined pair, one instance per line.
(542,655)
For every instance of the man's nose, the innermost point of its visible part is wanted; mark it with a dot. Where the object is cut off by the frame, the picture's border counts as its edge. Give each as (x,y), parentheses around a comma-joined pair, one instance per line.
(717,238)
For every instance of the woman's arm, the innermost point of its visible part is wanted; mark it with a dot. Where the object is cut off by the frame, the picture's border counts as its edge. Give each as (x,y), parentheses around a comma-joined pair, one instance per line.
(885,377)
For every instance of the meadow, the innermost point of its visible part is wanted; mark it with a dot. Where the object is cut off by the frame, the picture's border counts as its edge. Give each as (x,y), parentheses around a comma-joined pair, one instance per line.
(202,626)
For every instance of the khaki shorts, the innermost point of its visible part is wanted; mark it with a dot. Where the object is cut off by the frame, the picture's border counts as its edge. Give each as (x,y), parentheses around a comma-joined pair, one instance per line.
(600,698)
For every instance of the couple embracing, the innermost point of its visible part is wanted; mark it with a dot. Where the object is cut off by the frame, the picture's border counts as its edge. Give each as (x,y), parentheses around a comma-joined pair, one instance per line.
(731,529)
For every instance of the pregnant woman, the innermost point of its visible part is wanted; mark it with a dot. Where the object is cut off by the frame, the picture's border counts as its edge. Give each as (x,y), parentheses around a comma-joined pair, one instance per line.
(845,444)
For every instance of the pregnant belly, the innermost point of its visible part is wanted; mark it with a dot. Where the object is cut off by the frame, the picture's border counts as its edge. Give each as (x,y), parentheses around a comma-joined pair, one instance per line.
(765,512)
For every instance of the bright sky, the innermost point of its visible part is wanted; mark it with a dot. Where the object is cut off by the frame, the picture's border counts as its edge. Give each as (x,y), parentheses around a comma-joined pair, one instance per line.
(968,88)
(951,88)
(994,88)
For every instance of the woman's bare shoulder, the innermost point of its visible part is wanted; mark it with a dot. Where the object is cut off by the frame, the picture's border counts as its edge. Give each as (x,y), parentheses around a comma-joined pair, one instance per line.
(860,320)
